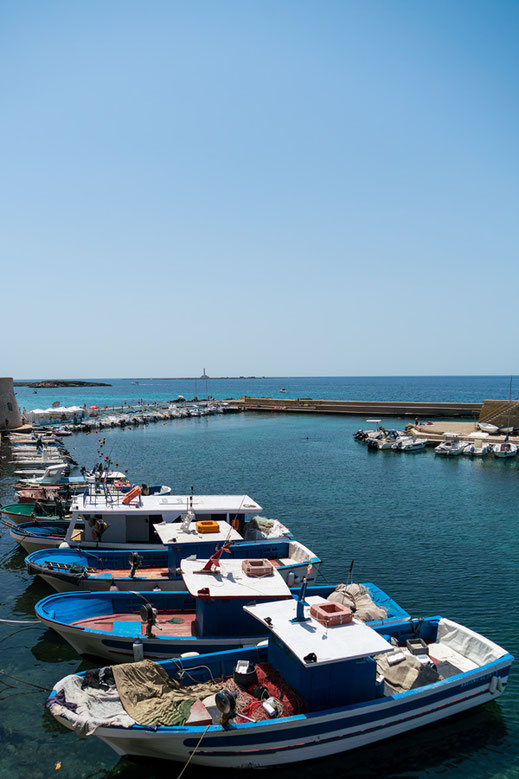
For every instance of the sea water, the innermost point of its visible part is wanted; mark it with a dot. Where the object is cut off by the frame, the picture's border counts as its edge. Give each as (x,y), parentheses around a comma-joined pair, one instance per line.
(438,534)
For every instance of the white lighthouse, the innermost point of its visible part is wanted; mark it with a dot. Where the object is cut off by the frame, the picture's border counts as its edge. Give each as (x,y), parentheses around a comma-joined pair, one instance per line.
(9,411)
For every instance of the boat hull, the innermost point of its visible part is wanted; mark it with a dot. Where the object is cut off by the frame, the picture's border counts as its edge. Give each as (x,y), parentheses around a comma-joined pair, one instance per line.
(119,649)
(108,624)
(302,737)
(290,573)
(35,543)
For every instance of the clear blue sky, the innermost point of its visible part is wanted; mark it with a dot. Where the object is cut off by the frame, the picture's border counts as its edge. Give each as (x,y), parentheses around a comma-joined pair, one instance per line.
(288,187)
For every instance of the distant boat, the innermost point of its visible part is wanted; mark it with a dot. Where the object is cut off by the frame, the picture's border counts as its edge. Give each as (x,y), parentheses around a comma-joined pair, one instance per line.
(410,444)
(478,449)
(505,450)
(452,447)
(487,427)
(282,389)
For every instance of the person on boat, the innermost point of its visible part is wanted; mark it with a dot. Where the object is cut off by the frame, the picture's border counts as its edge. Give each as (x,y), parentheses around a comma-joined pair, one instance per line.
(38,509)
(60,512)
(39,444)
(145,490)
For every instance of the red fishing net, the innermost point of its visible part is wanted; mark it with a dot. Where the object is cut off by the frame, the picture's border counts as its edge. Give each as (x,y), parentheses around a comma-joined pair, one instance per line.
(288,701)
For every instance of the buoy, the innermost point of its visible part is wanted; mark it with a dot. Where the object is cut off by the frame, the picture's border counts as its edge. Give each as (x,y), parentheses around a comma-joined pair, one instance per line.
(134,493)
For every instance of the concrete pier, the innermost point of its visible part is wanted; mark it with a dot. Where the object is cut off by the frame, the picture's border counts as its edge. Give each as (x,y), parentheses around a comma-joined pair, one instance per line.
(370,408)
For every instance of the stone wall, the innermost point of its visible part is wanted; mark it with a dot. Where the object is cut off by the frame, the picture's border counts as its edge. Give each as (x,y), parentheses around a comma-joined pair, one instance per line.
(9,412)
(503,413)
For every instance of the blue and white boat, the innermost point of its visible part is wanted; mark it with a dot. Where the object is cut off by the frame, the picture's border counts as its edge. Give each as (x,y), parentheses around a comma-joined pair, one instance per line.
(112,625)
(333,684)
(57,475)
(75,569)
(135,521)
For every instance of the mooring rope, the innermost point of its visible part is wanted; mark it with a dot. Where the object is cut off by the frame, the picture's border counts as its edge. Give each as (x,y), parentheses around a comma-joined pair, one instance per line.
(194,750)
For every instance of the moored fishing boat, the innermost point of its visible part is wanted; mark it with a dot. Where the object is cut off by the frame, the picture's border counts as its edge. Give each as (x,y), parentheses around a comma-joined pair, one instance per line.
(77,569)
(333,684)
(21,512)
(134,521)
(56,476)
(120,626)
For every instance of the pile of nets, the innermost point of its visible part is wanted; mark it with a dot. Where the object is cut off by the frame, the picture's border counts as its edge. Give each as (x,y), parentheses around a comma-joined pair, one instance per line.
(358,599)
(286,700)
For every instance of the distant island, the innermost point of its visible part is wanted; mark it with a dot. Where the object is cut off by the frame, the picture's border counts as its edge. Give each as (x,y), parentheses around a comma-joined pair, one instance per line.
(57,383)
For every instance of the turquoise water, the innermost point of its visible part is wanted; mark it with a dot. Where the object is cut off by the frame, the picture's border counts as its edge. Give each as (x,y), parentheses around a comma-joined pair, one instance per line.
(439,534)
(436,388)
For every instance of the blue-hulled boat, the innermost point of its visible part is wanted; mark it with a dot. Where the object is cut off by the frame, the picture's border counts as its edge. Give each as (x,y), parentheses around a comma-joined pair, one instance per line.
(333,685)
(107,624)
(77,569)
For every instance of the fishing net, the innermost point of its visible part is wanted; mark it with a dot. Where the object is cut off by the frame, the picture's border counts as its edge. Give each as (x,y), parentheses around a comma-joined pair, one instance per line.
(287,701)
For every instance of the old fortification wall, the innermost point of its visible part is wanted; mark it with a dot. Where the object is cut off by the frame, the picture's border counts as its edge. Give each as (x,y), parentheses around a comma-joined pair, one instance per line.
(9,412)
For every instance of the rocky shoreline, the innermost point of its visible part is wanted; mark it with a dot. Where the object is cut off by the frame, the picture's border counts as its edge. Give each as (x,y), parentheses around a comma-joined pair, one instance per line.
(57,383)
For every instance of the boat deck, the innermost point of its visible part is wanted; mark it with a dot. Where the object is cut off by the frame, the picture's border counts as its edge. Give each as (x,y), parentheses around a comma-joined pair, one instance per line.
(169,623)
(156,573)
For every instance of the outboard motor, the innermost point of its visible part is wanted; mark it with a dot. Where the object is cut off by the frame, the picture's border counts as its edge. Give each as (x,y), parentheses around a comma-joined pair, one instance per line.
(226,704)
(135,560)
(149,617)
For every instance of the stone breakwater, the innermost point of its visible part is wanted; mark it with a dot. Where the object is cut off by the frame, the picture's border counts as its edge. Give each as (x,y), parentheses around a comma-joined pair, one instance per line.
(361,408)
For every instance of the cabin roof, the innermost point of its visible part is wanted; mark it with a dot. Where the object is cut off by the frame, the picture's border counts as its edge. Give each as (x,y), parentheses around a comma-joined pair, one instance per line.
(342,642)
(156,504)
(172,533)
(231,581)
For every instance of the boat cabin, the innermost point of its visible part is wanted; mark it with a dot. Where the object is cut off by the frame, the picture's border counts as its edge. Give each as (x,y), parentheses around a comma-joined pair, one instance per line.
(154,519)
(328,664)
(220,596)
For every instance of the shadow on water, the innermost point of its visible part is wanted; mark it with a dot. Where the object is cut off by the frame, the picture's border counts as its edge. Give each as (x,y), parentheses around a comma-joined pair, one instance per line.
(452,744)
(52,648)
(25,602)
(13,560)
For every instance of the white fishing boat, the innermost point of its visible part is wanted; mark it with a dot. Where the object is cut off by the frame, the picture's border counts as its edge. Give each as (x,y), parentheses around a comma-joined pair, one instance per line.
(331,682)
(506,449)
(36,461)
(134,521)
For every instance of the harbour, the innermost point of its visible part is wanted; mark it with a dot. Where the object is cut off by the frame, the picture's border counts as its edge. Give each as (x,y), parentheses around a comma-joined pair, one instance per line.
(277,459)
(302,558)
